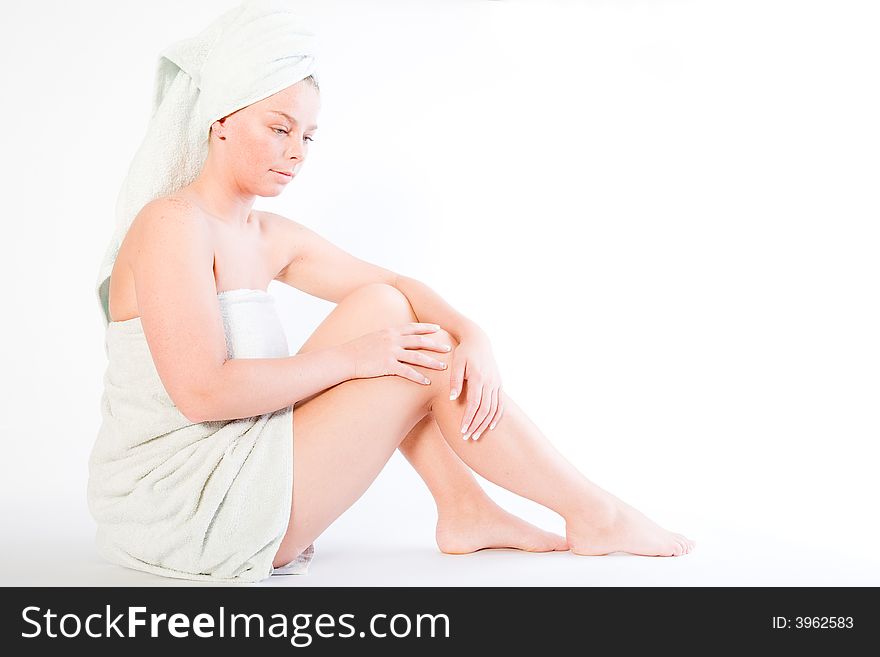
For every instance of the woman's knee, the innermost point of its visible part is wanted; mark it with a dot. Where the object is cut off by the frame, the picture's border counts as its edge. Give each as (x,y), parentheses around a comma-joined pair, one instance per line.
(368,308)
(387,301)
(440,379)
(380,301)
(376,306)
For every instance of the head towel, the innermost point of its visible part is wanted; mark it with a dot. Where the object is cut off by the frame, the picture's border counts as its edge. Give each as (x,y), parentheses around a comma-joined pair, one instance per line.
(247,54)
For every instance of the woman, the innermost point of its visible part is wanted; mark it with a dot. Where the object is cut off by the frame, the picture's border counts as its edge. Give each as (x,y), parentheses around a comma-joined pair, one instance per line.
(375,376)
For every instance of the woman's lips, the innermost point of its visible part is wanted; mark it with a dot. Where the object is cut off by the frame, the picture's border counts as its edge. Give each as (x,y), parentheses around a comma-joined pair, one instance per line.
(283,176)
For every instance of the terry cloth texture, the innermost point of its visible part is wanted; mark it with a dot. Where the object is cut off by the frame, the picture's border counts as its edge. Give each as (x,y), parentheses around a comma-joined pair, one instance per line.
(202,501)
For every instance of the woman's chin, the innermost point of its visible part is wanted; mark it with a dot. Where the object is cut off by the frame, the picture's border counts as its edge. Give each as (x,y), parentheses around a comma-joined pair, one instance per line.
(270,190)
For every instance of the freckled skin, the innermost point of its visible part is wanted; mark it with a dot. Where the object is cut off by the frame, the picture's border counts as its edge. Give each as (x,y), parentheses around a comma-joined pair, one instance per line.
(246,145)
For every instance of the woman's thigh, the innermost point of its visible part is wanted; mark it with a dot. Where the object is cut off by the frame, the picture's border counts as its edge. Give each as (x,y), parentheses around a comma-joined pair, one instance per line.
(343,436)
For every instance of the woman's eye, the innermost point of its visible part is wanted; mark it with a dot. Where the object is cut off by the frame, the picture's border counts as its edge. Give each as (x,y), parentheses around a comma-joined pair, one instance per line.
(285,132)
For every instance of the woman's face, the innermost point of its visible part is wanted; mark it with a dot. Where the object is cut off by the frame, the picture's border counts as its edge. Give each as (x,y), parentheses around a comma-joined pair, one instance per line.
(269,136)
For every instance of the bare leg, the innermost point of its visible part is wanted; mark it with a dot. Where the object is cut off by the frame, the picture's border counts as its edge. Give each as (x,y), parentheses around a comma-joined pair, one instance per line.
(344,435)
(517,456)
(467,519)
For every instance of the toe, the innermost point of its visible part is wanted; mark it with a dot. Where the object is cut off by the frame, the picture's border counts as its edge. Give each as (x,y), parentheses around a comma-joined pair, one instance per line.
(686,544)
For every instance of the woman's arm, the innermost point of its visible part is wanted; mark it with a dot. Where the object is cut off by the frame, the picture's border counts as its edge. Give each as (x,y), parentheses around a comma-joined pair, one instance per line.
(244,387)
(432,308)
(318,267)
(177,301)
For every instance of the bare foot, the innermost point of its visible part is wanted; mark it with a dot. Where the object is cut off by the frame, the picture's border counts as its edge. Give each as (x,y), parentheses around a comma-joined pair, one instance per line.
(621,528)
(489,526)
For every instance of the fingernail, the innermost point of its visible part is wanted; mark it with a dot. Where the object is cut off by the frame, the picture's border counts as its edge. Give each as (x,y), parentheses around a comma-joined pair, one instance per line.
(444,366)
(427,380)
(492,426)
(453,395)
(464,429)
(447,347)
(467,436)
(477,437)
(464,437)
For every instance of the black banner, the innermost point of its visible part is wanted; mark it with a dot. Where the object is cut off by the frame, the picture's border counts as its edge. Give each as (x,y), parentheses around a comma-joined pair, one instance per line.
(398,620)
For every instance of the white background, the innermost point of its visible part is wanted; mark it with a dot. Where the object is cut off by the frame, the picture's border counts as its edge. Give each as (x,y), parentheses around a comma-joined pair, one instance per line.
(664,213)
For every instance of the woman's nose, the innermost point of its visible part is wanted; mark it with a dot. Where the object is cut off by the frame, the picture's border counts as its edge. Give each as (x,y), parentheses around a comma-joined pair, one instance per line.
(297,151)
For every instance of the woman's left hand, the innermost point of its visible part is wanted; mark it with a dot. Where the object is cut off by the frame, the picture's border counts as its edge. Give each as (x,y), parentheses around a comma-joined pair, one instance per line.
(473,360)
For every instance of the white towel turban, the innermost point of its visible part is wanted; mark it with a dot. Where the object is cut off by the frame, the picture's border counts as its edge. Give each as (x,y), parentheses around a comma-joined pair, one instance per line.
(246,55)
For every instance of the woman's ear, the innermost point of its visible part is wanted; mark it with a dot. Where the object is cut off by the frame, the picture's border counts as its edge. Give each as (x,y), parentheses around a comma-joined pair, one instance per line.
(217,128)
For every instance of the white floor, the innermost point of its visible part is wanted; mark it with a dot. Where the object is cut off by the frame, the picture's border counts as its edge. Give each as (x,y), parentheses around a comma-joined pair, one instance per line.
(51,545)
(723,558)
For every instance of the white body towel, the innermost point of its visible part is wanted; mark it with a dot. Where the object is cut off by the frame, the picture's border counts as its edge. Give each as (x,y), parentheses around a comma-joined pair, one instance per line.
(200,501)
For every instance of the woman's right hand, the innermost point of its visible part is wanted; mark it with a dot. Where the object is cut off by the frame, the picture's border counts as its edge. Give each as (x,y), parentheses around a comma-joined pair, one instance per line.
(387,352)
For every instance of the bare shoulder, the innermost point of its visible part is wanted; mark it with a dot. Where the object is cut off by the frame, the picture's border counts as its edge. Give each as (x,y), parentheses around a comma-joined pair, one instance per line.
(169,230)
(178,209)
(161,220)
(287,237)
(274,221)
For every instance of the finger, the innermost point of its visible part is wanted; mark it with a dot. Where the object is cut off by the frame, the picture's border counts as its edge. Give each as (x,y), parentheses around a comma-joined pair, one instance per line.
(497,414)
(479,422)
(414,375)
(474,392)
(424,342)
(493,405)
(408,356)
(500,412)
(418,327)
(456,377)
